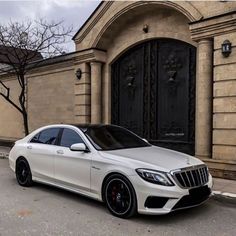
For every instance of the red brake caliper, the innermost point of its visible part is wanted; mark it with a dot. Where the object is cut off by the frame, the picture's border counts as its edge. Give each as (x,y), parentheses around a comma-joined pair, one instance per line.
(113,193)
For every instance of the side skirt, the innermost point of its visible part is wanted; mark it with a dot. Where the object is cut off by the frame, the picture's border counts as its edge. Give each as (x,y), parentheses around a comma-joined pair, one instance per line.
(64,187)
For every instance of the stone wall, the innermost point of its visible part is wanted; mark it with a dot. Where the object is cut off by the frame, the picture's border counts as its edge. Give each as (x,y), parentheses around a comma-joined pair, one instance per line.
(51,97)
(82,93)
(11,123)
(224,103)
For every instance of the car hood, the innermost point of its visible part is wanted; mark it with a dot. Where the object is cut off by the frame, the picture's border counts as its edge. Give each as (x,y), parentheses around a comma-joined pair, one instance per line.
(161,158)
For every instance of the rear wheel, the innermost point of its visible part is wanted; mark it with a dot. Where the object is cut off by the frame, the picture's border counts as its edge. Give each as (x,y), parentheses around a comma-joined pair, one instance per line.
(23,173)
(119,196)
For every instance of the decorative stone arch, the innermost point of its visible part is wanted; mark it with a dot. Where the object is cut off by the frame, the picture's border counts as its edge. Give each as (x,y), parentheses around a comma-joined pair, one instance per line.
(186,8)
(133,43)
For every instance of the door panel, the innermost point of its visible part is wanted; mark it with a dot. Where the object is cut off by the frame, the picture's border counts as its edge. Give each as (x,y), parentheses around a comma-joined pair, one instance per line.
(129,88)
(153,93)
(41,153)
(42,160)
(73,168)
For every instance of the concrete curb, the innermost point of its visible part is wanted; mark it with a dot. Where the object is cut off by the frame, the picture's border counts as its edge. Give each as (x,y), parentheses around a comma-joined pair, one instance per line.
(4,155)
(224,197)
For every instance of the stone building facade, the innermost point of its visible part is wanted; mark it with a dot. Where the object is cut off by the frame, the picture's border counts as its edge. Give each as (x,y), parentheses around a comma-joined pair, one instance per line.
(155,67)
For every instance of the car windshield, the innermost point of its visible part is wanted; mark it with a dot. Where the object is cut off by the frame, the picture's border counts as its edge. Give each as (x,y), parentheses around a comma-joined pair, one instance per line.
(113,137)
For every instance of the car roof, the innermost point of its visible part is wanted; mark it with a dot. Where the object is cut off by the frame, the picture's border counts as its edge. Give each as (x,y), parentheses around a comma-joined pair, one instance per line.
(84,127)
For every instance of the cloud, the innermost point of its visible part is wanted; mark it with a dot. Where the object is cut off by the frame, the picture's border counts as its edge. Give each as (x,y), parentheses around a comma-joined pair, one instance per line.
(73,12)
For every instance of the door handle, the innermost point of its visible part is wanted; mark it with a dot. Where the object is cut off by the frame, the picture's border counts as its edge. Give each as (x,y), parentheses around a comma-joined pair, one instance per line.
(29,147)
(60,152)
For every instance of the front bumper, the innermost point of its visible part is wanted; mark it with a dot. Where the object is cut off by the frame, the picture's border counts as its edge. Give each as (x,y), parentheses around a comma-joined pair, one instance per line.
(176,197)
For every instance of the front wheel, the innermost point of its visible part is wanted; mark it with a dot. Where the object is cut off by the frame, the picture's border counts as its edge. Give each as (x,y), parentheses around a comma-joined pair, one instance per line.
(23,173)
(120,197)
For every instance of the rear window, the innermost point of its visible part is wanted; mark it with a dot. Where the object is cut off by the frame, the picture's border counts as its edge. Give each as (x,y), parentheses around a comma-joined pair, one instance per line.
(48,136)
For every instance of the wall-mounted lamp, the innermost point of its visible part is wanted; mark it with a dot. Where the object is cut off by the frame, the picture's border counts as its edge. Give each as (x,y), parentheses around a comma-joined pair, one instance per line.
(78,73)
(145,28)
(226,48)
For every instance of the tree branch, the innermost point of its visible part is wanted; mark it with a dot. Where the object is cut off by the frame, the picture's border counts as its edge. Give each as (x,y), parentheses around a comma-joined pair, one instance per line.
(7,98)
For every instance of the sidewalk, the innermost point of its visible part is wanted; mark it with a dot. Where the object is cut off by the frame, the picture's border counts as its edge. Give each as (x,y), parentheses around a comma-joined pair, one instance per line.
(223,189)
(4,152)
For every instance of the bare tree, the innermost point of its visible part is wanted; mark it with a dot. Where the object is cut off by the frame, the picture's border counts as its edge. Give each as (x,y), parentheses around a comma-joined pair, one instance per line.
(22,47)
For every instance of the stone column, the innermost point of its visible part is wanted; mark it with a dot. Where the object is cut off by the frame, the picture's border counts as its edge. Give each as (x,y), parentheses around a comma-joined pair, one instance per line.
(204,83)
(96,92)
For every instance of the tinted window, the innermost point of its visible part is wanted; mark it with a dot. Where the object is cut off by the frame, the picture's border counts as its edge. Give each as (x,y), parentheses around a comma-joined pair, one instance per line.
(113,137)
(70,137)
(48,136)
(35,139)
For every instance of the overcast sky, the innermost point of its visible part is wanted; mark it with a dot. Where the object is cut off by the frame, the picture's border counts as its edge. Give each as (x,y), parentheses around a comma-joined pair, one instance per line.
(73,12)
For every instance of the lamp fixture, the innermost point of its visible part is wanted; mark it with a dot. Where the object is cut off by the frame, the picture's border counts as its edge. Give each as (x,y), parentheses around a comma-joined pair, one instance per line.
(78,74)
(226,48)
(145,28)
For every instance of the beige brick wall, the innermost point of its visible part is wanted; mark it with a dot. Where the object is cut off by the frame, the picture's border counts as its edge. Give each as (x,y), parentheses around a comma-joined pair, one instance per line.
(210,8)
(11,124)
(82,93)
(224,102)
(51,97)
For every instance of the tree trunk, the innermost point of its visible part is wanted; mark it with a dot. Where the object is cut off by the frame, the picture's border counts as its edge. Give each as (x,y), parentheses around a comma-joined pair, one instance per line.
(25,119)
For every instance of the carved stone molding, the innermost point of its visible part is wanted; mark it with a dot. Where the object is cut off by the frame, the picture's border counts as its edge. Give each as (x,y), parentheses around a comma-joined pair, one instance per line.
(213,26)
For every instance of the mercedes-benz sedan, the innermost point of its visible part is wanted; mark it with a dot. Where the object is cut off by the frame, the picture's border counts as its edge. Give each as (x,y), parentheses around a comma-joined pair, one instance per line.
(111,164)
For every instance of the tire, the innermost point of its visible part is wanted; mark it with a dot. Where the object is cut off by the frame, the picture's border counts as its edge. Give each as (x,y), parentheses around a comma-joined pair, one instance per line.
(23,173)
(119,196)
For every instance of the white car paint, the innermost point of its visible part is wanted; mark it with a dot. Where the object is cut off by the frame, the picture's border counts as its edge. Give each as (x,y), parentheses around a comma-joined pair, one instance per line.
(84,173)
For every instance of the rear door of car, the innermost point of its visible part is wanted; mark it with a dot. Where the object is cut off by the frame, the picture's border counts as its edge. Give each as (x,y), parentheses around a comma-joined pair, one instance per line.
(72,168)
(41,151)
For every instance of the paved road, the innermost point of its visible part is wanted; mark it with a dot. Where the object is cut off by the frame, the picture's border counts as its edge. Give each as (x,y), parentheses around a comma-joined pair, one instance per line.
(42,210)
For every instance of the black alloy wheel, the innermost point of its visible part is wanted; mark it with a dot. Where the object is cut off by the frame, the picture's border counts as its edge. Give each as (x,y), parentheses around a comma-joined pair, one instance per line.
(23,173)
(120,196)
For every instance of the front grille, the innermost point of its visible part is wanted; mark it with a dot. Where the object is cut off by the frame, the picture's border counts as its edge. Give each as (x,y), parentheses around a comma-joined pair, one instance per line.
(189,177)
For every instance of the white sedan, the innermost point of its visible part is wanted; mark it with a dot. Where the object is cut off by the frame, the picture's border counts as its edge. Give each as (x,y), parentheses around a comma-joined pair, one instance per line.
(111,164)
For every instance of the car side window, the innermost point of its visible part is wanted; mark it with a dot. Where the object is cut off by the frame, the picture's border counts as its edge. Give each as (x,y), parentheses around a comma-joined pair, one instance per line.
(35,139)
(70,137)
(48,136)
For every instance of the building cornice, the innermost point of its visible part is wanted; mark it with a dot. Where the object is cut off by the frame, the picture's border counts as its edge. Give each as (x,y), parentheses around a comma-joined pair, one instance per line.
(213,26)
(92,20)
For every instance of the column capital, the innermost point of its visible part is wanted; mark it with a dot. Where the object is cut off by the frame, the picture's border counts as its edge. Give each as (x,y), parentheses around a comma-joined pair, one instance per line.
(96,63)
(205,41)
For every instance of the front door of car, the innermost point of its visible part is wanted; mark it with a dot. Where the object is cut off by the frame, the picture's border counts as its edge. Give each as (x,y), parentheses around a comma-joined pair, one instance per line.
(72,168)
(41,151)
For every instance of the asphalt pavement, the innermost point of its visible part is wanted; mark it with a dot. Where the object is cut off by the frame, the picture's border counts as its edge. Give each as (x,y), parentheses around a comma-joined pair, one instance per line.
(43,210)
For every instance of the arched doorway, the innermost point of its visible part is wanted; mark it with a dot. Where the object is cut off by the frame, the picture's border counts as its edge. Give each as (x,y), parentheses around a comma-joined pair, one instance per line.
(153,92)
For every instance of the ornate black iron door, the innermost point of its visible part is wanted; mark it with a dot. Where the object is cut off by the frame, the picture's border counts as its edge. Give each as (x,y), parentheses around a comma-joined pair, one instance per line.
(153,93)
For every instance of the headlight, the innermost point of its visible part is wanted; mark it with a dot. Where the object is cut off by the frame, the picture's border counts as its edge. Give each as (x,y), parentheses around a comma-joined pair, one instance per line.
(154,177)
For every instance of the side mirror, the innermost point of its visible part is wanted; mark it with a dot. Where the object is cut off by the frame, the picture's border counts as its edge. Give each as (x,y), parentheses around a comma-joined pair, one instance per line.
(79,147)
